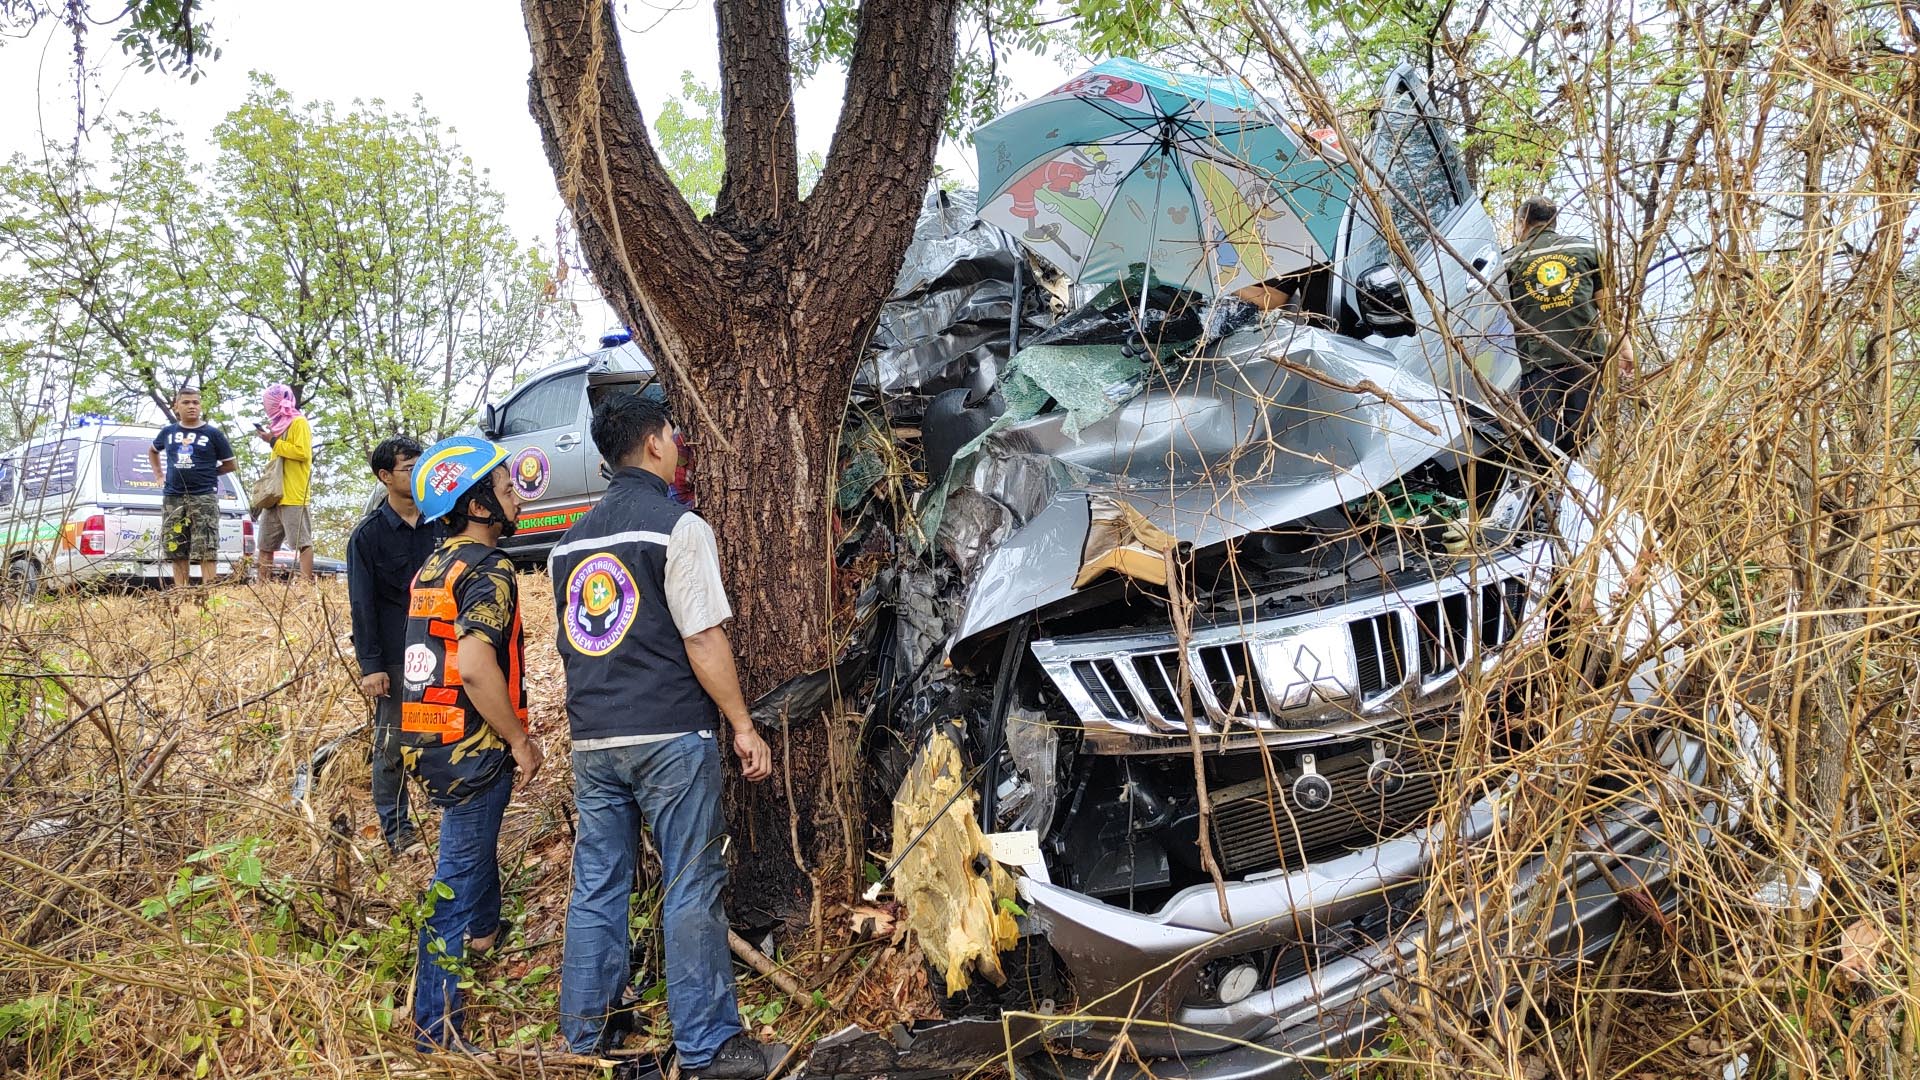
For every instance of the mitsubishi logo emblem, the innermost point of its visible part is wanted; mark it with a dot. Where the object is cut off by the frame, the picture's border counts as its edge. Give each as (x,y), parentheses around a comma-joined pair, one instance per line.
(1311,678)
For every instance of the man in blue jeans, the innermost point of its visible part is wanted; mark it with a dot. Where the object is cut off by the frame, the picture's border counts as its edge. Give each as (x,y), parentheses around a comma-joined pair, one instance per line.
(640,603)
(463,714)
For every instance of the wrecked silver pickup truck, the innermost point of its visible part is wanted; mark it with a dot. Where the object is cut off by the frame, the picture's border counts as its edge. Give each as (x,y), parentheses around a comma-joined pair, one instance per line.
(1177,553)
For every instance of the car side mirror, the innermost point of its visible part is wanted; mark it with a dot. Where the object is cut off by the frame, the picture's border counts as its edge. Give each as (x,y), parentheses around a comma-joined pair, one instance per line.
(1383,302)
(490,421)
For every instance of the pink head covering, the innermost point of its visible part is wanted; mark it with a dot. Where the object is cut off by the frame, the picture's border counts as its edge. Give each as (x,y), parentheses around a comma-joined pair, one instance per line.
(281,413)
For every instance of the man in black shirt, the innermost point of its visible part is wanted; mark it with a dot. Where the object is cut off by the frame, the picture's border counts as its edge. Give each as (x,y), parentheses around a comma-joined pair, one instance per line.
(383,554)
(1554,282)
(197,454)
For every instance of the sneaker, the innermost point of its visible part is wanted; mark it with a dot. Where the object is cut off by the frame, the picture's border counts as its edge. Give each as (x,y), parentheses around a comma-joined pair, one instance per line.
(739,1058)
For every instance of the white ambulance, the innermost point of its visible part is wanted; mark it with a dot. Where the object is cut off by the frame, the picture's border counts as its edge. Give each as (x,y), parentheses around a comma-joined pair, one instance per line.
(82,505)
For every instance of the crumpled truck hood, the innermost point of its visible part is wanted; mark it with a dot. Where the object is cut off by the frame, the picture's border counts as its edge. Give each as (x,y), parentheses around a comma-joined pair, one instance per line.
(1238,442)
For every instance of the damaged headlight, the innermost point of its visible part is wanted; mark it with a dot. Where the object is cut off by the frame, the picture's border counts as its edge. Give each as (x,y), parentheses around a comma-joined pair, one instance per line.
(1027,791)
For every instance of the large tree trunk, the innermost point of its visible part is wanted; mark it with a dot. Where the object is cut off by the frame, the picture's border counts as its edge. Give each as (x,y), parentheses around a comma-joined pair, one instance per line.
(755,315)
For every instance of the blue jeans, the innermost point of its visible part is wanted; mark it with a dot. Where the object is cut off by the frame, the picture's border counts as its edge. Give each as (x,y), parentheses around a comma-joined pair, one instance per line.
(470,866)
(674,787)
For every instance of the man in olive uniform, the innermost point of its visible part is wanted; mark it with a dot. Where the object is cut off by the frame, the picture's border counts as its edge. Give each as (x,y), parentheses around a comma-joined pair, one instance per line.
(1554,282)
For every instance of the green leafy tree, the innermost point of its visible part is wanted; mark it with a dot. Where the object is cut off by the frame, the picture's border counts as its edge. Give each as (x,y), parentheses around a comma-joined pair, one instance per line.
(371,268)
(114,275)
(356,254)
(688,127)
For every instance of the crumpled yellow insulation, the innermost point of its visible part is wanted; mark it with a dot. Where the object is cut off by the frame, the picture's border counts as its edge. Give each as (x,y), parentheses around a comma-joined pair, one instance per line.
(1123,540)
(948,883)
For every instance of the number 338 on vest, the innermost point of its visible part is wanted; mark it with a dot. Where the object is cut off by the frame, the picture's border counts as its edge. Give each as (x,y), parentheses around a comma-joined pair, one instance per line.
(419,665)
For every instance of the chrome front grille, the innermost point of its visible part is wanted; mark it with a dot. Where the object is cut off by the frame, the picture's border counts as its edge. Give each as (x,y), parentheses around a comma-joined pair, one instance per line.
(1233,676)
(1310,673)
(1445,624)
(1145,687)
(1379,653)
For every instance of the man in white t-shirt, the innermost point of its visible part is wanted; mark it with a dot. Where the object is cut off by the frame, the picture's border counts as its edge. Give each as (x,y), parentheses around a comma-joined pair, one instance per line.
(650,674)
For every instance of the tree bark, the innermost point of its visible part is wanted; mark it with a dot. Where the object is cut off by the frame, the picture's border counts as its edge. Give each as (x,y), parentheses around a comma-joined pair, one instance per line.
(755,317)
(762,179)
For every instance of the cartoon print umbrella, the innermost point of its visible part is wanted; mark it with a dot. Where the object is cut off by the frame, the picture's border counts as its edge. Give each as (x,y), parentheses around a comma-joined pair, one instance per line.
(1130,164)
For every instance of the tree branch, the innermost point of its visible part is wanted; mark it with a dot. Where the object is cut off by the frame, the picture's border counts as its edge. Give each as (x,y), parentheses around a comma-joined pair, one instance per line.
(619,191)
(594,239)
(882,154)
(761,185)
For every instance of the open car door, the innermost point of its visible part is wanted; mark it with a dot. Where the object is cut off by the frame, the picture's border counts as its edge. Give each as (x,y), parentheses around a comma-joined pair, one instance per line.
(1415,168)
(621,369)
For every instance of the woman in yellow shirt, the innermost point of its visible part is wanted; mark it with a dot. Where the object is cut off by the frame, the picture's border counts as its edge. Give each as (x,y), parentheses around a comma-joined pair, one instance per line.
(288,525)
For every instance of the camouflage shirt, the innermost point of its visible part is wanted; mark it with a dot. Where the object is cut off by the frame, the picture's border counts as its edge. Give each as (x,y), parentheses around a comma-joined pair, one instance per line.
(465,590)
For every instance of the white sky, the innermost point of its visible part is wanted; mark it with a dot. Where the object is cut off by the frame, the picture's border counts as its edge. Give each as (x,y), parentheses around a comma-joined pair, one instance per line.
(466,59)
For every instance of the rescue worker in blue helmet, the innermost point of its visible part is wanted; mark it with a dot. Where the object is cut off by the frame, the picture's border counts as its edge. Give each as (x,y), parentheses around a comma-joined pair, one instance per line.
(463,715)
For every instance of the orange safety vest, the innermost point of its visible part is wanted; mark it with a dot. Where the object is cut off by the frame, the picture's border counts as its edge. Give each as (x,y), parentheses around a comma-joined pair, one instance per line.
(435,712)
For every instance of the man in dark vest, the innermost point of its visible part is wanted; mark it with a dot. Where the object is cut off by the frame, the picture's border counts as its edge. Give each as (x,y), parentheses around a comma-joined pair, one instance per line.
(1554,282)
(650,673)
(463,715)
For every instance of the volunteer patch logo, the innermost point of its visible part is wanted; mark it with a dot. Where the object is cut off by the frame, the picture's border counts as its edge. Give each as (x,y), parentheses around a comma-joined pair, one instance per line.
(602,600)
(1550,281)
(531,472)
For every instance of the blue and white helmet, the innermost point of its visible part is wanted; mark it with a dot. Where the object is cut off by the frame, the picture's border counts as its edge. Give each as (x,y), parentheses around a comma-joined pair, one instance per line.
(448,469)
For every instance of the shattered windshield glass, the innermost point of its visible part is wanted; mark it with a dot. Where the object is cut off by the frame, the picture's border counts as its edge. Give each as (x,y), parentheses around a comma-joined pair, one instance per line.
(1409,157)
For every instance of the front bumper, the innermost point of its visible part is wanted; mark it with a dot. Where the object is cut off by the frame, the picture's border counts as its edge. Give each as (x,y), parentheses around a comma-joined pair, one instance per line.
(1139,973)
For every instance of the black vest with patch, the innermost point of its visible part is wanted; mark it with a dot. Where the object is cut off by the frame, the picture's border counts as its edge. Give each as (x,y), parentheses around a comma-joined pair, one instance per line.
(627,667)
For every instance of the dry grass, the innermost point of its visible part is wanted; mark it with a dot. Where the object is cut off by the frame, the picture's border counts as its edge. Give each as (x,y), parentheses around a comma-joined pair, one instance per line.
(167,910)
(1767,437)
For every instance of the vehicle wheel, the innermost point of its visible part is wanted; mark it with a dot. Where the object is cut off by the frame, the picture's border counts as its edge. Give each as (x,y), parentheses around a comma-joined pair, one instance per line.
(1035,983)
(23,577)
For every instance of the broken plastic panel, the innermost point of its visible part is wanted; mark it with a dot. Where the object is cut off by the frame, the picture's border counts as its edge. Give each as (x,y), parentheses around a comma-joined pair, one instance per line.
(971,526)
(956,897)
(948,321)
(1028,794)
